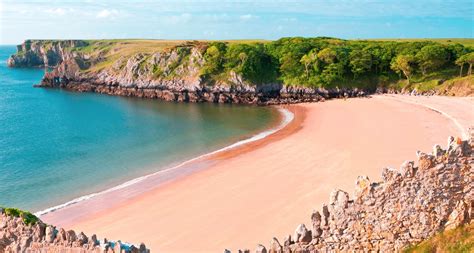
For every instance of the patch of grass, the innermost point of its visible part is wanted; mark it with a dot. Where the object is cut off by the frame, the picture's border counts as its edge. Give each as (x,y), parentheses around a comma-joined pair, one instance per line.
(464,41)
(27,217)
(459,240)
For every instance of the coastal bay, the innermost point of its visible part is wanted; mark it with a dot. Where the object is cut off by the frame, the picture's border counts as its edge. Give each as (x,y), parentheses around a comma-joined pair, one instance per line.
(325,147)
(56,145)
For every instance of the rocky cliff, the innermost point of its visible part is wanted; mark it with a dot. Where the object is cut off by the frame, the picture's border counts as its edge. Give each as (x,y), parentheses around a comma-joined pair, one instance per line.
(172,73)
(408,206)
(19,235)
(43,53)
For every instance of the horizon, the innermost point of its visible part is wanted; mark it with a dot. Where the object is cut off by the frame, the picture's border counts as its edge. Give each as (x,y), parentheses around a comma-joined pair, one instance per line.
(233,20)
(245,39)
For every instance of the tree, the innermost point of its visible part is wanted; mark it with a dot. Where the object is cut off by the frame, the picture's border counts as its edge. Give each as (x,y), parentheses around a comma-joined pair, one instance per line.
(403,63)
(327,55)
(307,60)
(331,73)
(460,62)
(466,59)
(214,58)
(360,62)
(252,62)
(431,57)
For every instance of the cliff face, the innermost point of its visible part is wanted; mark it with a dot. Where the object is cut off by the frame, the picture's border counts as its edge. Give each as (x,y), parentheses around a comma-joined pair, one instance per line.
(17,236)
(43,53)
(407,207)
(173,73)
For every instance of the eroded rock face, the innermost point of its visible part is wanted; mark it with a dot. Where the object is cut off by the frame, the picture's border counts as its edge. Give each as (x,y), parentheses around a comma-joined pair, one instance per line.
(16,236)
(405,208)
(43,53)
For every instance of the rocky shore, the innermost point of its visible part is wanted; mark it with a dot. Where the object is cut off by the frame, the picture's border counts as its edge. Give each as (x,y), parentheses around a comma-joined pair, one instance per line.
(16,235)
(407,207)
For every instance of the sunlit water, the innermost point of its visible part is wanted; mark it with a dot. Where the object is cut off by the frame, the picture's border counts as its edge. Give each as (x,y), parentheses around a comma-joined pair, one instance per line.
(57,145)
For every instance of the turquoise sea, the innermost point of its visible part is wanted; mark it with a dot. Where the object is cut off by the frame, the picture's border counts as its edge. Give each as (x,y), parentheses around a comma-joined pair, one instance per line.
(57,145)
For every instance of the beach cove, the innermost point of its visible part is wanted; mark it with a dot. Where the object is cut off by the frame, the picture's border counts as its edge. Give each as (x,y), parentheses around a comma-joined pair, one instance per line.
(265,188)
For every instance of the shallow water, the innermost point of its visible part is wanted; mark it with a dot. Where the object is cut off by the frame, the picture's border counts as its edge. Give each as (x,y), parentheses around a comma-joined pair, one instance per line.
(57,145)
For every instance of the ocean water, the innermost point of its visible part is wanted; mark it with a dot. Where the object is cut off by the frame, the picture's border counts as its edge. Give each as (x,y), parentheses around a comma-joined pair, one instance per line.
(57,145)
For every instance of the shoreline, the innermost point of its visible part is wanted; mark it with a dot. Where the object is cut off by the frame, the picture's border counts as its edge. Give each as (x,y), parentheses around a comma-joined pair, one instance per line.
(284,119)
(274,188)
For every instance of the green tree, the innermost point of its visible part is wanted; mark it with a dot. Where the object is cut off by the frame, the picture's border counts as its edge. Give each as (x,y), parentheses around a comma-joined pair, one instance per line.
(466,59)
(431,57)
(327,55)
(360,62)
(214,58)
(307,60)
(252,62)
(403,64)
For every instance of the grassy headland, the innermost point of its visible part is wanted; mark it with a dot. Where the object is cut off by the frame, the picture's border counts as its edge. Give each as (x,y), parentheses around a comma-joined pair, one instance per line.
(422,64)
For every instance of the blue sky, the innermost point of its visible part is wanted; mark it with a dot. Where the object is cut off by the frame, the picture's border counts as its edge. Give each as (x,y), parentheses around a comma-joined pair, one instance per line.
(167,19)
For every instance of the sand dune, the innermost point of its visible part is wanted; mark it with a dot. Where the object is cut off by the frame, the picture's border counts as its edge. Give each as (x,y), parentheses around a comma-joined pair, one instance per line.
(266,190)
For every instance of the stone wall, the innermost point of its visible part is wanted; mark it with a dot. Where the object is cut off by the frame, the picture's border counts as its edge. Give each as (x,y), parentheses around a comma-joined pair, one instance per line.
(16,236)
(408,206)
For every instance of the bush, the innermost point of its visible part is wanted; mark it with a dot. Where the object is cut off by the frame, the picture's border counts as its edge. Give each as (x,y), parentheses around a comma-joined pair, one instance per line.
(27,217)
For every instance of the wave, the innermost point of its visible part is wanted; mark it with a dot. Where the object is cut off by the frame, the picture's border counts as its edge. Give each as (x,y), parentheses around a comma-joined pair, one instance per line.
(287,118)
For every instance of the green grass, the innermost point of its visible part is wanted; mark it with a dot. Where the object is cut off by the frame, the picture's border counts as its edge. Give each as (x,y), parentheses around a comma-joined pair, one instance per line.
(459,240)
(27,217)
(464,41)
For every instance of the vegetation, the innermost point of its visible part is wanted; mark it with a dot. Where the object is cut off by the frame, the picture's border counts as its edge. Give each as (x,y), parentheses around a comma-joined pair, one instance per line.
(311,62)
(27,217)
(329,62)
(459,240)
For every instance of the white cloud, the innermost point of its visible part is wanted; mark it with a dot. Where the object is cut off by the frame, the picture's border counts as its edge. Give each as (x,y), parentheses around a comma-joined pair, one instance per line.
(106,13)
(247,17)
(56,11)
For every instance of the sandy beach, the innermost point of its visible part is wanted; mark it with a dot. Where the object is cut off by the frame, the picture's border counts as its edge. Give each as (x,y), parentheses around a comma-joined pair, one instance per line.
(249,195)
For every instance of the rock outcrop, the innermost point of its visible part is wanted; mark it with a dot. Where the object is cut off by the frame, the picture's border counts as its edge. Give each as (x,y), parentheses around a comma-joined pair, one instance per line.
(173,74)
(18,236)
(407,207)
(43,53)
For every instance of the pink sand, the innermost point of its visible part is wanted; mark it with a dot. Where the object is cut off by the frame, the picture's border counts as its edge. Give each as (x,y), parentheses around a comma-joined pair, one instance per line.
(247,196)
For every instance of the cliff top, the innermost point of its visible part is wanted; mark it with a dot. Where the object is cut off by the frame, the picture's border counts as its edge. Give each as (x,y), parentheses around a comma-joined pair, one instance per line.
(320,62)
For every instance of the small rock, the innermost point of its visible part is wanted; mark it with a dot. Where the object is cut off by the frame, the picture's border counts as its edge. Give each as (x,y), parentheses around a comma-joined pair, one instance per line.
(260,249)
(438,151)
(302,234)
(458,216)
(362,186)
(339,198)
(275,246)
(408,169)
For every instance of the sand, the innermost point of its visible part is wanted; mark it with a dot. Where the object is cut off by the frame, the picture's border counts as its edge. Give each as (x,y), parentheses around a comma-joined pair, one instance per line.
(247,196)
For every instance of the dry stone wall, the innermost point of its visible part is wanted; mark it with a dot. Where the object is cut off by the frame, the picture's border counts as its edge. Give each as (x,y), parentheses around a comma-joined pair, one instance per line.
(408,206)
